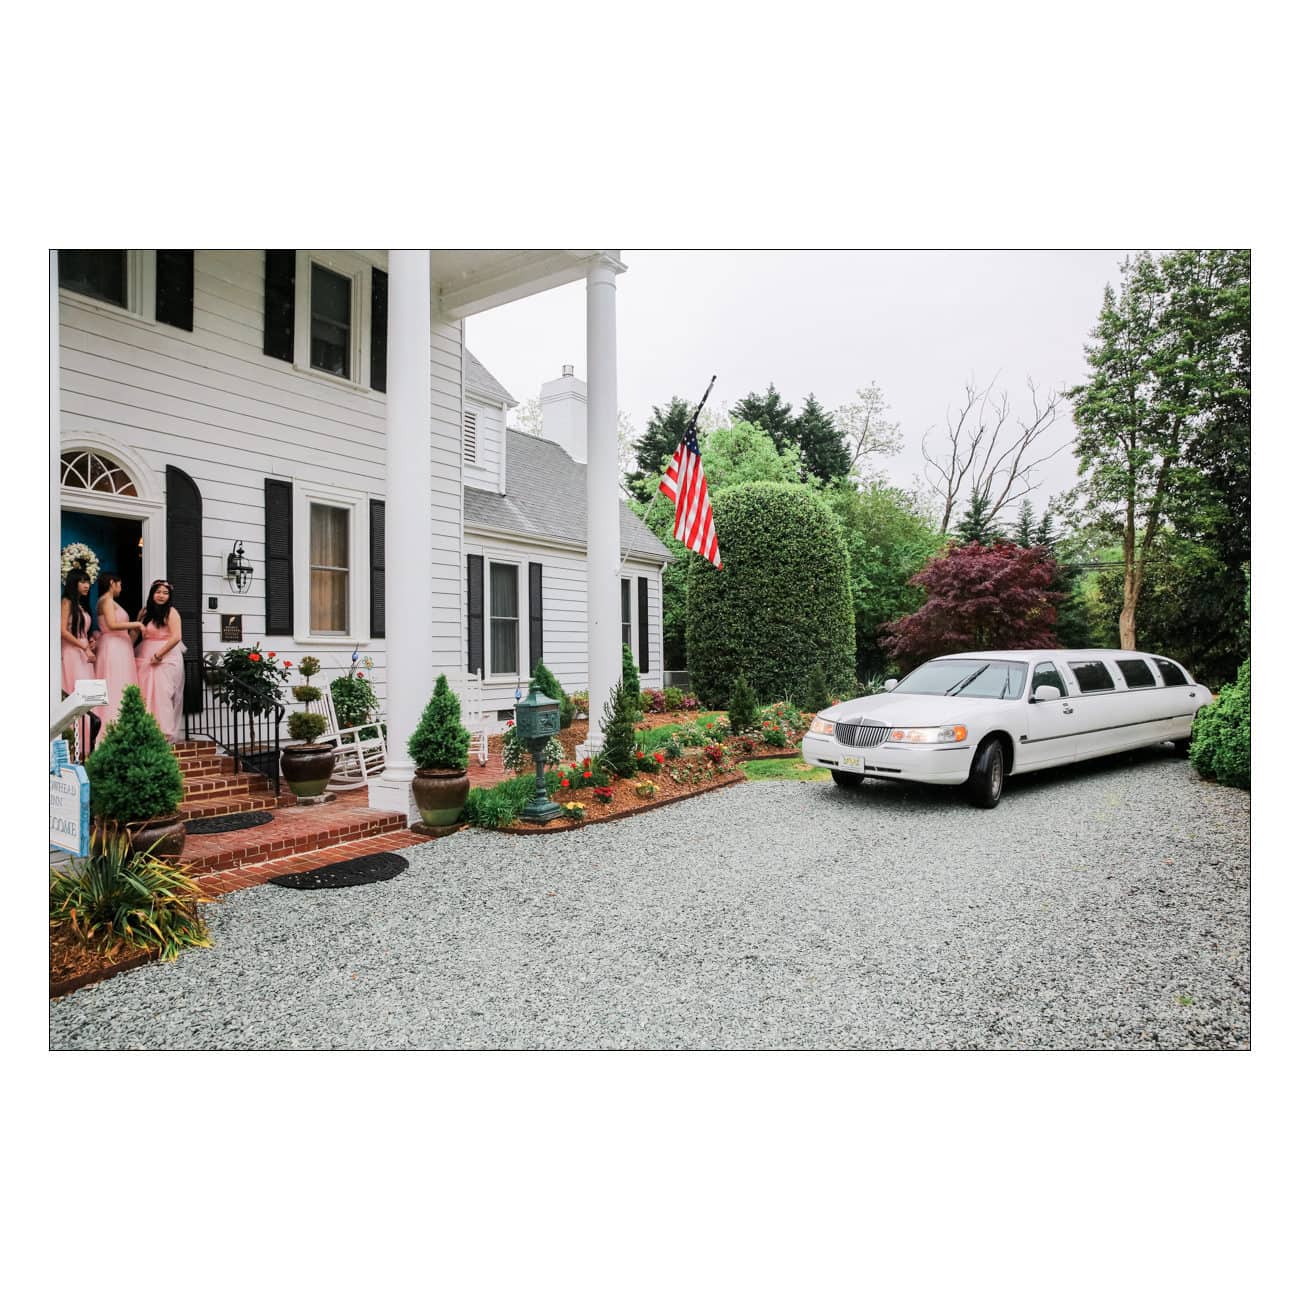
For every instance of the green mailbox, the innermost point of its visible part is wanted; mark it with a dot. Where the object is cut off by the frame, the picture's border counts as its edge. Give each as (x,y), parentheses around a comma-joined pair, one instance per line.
(537,719)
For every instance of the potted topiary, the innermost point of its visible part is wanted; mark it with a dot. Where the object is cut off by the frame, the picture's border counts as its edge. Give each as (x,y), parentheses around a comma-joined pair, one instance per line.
(439,748)
(307,766)
(135,781)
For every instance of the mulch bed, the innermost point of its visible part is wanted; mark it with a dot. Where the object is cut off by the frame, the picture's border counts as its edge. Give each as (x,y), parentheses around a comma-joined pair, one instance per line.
(73,964)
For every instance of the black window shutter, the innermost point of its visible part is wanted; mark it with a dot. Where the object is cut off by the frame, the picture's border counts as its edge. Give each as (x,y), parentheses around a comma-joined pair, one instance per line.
(281,270)
(185,572)
(475,591)
(376,569)
(534,615)
(174,287)
(279,557)
(643,623)
(379,330)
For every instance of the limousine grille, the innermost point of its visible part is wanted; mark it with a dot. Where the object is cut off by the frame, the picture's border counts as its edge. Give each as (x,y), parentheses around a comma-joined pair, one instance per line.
(860,735)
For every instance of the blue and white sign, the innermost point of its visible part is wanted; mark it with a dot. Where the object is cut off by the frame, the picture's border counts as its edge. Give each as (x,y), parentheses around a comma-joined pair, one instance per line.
(69,803)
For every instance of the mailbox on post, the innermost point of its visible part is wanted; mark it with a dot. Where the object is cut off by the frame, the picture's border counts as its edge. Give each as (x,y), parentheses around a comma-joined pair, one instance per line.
(537,719)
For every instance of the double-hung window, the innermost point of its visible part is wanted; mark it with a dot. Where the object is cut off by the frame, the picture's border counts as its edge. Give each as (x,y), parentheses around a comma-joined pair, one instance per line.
(330,569)
(503,583)
(331,566)
(153,284)
(331,322)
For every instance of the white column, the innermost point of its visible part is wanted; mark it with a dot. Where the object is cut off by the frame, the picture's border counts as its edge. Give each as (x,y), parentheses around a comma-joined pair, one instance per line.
(56,648)
(408,555)
(604,629)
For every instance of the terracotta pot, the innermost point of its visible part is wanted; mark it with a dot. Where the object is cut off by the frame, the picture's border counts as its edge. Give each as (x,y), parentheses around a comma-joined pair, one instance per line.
(164,836)
(440,794)
(307,768)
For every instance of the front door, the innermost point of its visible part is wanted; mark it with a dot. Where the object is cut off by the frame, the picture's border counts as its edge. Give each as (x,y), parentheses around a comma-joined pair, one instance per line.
(117,544)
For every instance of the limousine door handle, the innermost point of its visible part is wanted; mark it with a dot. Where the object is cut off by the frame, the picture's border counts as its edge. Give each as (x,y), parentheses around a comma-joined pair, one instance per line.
(1066,708)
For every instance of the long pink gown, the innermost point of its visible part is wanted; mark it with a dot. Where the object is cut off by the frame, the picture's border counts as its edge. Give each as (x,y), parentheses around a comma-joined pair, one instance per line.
(115,663)
(162,686)
(77,666)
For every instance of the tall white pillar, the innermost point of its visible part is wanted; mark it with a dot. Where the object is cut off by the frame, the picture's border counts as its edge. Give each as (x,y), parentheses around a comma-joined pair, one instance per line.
(604,627)
(56,463)
(408,554)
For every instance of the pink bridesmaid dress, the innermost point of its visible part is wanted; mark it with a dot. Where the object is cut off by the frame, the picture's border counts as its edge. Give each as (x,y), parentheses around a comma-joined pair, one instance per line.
(115,663)
(162,685)
(77,666)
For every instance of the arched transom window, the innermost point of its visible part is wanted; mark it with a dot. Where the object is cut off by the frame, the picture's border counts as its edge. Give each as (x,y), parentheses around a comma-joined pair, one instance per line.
(95,473)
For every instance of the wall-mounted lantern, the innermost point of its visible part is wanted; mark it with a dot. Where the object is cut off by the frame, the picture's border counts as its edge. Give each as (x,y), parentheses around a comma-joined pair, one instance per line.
(239,571)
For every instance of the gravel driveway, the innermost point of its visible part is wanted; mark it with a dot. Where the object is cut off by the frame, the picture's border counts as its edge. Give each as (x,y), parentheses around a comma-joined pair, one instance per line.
(1103,906)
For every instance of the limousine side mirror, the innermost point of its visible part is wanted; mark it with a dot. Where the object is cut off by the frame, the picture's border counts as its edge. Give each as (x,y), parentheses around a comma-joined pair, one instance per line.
(890,683)
(1044,693)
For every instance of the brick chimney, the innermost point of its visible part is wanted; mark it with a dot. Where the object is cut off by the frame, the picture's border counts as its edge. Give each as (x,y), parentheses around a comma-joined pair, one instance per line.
(564,414)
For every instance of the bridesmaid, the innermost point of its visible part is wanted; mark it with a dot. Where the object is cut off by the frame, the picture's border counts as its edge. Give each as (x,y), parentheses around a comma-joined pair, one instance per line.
(115,653)
(78,655)
(158,658)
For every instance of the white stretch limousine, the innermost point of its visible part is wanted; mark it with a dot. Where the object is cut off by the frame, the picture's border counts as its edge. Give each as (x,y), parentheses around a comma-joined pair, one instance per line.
(970,719)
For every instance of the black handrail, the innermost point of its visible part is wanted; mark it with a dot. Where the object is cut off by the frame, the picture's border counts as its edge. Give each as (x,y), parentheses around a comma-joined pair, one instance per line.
(241,720)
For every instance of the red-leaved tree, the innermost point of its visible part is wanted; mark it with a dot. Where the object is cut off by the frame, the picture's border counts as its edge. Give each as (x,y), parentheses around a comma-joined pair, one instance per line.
(995,597)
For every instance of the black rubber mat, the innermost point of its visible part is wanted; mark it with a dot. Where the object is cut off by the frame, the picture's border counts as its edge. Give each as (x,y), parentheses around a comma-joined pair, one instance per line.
(343,875)
(227,822)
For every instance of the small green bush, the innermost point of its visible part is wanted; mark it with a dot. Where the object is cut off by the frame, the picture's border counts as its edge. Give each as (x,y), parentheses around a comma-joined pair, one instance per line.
(618,725)
(309,666)
(518,757)
(306,727)
(673,698)
(742,711)
(133,773)
(1221,735)
(631,680)
(546,681)
(306,694)
(673,749)
(120,897)
(499,805)
(439,741)
(354,699)
(816,697)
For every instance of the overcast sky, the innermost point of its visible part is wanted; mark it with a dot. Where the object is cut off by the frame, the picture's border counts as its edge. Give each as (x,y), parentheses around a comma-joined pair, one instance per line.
(919,324)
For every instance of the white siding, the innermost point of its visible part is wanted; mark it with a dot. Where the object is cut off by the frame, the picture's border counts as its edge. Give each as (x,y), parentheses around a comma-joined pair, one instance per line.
(210,403)
(485,472)
(564,617)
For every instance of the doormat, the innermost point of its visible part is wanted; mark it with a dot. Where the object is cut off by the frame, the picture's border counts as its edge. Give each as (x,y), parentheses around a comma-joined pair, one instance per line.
(342,875)
(228,822)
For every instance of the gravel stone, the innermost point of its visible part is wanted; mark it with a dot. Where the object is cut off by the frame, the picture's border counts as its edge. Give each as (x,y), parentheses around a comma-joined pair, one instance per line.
(1100,906)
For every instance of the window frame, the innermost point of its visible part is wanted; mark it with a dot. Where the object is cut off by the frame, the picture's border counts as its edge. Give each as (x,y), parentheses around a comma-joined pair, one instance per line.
(1152,685)
(1161,664)
(305,495)
(1060,678)
(141,292)
(359,273)
(1075,664)
(490,562)
(625,604)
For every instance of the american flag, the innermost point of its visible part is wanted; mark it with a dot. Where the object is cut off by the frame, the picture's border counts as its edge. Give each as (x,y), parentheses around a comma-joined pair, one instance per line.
(683,483)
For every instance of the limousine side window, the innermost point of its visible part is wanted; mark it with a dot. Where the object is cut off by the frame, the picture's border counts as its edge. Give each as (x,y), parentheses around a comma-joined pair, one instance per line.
(1046,675)
(1171,673)
(1092,675)
(1136,672)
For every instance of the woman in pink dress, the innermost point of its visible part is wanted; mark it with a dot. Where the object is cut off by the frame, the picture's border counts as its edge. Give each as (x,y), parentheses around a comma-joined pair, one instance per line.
(159,659)
(78,655)
(115,653)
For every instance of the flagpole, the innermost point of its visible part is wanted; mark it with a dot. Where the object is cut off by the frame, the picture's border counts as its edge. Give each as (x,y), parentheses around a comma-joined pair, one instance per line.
(691,426)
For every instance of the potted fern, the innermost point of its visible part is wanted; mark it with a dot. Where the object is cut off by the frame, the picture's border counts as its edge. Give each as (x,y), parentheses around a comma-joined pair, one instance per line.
(439,748)
(307,766)
(135,781)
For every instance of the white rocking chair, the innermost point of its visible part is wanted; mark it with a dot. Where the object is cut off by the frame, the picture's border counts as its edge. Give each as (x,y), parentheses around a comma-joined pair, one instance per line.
(359,758)
(469,689)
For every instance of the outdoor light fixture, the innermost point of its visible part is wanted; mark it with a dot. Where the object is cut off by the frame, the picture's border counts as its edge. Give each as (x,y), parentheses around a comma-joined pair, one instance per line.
(239,571)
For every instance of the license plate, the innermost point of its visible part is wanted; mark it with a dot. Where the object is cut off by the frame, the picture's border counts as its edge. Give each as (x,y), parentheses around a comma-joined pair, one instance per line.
(851,763)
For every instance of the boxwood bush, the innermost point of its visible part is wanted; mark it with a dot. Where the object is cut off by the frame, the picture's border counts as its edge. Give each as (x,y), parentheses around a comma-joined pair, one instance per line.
(780,606)
(133,772)
(1221,734)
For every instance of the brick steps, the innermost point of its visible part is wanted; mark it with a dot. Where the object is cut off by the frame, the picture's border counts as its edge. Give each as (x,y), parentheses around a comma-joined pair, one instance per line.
(214,805)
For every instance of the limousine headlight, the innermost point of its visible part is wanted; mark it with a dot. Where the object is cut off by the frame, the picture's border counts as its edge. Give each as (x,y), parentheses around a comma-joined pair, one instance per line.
(822,727)
(930,735)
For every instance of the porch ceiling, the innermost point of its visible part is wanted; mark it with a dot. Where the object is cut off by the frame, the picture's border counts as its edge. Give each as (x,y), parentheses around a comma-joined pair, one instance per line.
(466,281)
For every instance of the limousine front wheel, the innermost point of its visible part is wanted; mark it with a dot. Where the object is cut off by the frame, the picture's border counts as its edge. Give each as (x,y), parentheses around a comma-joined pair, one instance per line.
(847,779)
(987,773)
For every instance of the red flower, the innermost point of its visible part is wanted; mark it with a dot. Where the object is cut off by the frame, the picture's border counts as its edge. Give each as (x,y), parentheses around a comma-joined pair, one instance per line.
(361,674)
(255,658)
(270,654)
(564,781)
(640,754)
(659,758)
(288,664)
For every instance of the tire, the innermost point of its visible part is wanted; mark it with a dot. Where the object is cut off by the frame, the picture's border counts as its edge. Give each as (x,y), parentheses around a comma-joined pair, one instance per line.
(1183,746)
(846,779)
(987,776)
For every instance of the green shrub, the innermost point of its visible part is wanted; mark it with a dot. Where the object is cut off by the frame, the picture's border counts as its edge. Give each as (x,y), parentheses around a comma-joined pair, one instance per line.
(306,727)
(815,695)
(499,805)
(309,666)
(306,694)
(120,897)
(673,698)
(1221,735)
(631,679)
(618,725)
(439,741)
(355,700)
(742,709)
(780,604)
(133,773)
(546,681)
(673,749)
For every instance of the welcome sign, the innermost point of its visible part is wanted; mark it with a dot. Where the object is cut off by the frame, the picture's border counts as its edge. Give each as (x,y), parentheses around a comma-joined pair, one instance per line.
(69,803)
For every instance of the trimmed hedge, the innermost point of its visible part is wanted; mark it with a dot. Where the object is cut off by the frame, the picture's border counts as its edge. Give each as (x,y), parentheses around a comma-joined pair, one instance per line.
(780,606)
(1221,735)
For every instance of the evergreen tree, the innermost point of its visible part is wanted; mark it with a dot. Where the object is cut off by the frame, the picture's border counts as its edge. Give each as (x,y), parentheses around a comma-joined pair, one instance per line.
(546,681)
(815,695)
(769,412)
(618,726)
(742,710)
(979,523)
(1024,534)
(1044,535)
(632,681)
(663,431)
(825,455)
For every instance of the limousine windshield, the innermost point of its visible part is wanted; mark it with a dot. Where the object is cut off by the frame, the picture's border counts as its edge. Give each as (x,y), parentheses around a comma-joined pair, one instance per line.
(982,679)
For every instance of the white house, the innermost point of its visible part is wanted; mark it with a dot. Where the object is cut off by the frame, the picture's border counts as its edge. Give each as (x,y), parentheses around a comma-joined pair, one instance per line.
(526,541)
(307,408)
